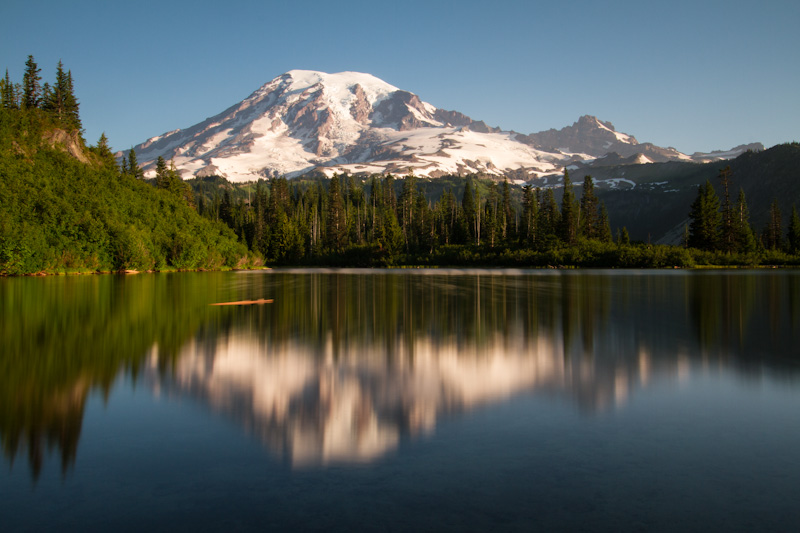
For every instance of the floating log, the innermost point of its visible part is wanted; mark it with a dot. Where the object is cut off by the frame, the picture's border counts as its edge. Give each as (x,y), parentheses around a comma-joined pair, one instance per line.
(246,302)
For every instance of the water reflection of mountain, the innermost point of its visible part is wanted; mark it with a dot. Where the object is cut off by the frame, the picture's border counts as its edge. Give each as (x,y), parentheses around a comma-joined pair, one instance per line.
(317,408)
(343,365)
(337,381)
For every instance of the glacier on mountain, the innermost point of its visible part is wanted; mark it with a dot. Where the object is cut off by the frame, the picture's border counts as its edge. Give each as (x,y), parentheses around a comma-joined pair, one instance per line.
(353,122)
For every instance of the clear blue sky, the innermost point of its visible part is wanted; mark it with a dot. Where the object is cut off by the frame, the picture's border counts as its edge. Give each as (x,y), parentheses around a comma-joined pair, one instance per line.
(697,75)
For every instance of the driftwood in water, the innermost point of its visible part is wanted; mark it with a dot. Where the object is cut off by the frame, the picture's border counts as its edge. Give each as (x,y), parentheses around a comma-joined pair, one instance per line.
(246,302)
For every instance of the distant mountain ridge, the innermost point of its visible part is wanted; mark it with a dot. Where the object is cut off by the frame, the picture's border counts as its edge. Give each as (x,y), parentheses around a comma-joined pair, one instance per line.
(306,121)
(653,201)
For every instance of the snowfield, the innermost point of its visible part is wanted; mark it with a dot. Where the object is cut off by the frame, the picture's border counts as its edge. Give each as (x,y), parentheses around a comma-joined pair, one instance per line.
(354,122)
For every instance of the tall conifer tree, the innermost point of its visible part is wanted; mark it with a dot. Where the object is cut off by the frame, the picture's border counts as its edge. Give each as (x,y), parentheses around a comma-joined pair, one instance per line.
(508,221)
(604,230)
(549,219)
(745,240)
(470,211)
(60,90)
(162,180)
(104,151)
(31,84)
(133,166)
(590,213)
(8,96)
(530,208)
(71,106)
(336,226)
(705,219)
(569,215)
(793,233)
(728,237)
(771,236)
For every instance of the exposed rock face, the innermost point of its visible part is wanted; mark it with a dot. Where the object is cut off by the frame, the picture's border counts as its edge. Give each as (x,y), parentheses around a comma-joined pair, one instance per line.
(403,111)
(69,142)
(360,108)
(454,118)
(588,135)
(210,170)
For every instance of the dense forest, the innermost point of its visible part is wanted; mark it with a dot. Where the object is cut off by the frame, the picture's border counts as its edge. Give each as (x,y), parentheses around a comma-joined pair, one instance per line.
(383,220)
(71,207)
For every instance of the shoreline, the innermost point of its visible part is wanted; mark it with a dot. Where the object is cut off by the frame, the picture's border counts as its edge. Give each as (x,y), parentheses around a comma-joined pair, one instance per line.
(130,272)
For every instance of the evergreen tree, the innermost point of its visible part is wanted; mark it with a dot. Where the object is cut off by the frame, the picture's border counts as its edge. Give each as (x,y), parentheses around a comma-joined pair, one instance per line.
(793,233)
(162,180)
(31,85)
(389,196)
(589,211)
(744,239)
(226,209)
(728,233)
(133,166)
(72,117)
(423,228)
(260,231)
(312,222)
(335,223)
(390,234)
(508,216)
(549,220)
(103,151)
(604,233)
(376,203)
(405,213)
(358,217)
(492,218)
(8,93)
(530,211)
(623,239)
(59,95)
(568,229)
(447,216)
(47,100)
(470,211)
(771,236)
(705,219)
(178,187)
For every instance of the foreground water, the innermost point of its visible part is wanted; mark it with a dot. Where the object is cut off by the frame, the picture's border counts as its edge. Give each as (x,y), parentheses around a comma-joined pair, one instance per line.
(402,400)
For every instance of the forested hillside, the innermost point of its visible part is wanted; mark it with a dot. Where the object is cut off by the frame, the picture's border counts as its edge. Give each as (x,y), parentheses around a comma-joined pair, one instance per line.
(657,207)
(68,207)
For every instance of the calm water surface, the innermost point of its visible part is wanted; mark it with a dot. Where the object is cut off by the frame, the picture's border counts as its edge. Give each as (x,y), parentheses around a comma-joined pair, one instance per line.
(402,401)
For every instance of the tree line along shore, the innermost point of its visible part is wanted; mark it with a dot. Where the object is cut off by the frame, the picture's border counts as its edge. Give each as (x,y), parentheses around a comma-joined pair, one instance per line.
(71,207)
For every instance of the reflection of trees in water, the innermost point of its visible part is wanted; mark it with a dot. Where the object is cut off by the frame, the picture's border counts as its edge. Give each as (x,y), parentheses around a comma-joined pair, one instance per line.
(749,319)
(65,337)
(393,309)
(50,422)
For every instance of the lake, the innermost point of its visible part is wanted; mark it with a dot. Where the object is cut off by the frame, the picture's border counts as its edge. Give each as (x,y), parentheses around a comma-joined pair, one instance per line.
(402,400)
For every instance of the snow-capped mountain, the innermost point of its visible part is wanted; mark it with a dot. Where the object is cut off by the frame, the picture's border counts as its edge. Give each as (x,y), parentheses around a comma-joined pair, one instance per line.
(356,123)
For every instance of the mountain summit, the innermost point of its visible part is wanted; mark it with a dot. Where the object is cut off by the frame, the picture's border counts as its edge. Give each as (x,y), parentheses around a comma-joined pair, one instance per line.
(354,122)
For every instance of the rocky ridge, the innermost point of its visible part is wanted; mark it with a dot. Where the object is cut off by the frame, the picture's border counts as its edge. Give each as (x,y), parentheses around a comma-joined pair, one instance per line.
(352,122)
